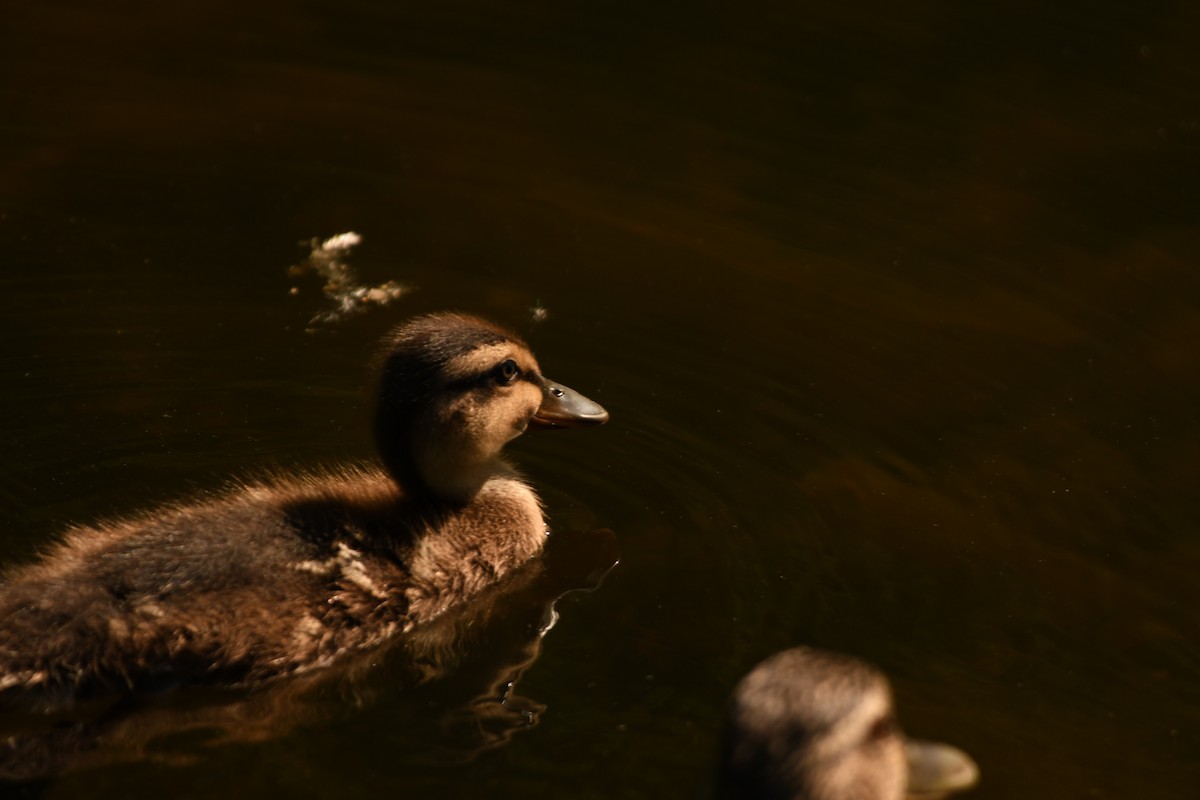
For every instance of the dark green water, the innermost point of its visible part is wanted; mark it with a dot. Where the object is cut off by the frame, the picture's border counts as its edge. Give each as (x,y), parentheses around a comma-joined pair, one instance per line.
(896,312)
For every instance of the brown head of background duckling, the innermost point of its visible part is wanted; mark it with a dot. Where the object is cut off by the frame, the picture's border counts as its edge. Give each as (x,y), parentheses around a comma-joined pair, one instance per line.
(808,724)
(282,576)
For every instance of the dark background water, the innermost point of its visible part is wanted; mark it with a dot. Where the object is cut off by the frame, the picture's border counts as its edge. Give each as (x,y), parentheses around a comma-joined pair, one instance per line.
(896,312)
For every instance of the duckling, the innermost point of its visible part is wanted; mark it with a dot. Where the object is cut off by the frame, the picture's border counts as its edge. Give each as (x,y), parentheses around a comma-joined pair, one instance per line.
(283,576)
(812,725)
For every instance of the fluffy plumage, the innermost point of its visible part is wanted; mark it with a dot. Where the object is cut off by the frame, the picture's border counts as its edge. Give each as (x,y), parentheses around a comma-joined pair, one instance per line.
(281,577)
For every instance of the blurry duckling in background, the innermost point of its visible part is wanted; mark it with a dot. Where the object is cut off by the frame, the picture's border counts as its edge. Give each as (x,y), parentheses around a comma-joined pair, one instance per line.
(283,576)
(812,725)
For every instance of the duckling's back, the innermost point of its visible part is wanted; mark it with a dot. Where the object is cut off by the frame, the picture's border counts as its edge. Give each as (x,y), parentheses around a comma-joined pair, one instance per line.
(257,583)
(261,582)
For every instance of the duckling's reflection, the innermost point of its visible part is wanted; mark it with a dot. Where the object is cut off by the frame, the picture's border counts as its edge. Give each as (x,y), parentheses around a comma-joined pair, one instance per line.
(464,665)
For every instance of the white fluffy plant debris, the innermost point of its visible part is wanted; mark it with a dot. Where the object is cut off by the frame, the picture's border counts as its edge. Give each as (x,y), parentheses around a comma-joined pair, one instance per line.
(328,260)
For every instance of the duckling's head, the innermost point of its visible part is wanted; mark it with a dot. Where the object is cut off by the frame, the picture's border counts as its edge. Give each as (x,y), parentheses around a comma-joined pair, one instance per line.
(812,725)
(453,390)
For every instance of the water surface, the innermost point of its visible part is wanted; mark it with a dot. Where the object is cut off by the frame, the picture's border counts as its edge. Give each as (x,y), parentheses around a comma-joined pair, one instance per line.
(895,312)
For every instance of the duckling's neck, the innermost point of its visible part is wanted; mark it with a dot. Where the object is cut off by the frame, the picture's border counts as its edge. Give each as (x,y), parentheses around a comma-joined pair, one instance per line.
(432,467)
(456,482)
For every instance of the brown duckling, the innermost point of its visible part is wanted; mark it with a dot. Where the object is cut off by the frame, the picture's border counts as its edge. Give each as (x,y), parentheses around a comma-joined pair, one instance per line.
(283,576)
(812,725)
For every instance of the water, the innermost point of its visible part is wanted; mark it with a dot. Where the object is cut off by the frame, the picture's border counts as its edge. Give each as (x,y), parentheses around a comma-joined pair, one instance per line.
(895,312)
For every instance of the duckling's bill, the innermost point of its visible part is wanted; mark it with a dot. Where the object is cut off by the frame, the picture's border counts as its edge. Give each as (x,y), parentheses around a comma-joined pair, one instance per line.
(563,407)
(936,770)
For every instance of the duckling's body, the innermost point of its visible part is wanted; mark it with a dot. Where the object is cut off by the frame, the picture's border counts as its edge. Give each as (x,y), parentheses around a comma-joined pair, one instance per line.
(283,576)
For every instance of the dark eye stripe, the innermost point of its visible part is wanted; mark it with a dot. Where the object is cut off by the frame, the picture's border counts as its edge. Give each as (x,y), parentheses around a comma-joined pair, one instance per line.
(883,728)
(488,378)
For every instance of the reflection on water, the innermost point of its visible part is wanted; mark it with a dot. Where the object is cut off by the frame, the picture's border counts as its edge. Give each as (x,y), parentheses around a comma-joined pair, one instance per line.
(465,666)
(894,307)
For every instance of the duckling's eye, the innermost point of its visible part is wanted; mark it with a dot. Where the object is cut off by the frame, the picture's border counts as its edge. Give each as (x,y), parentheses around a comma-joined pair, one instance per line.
(883,728)
(507,372)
